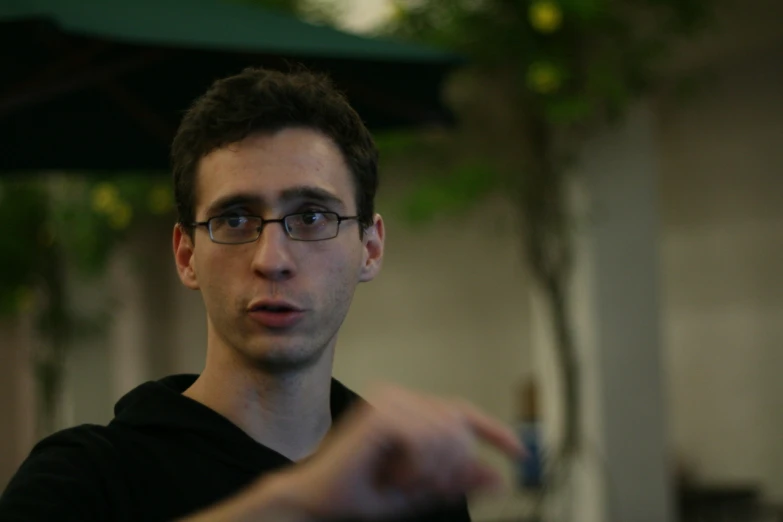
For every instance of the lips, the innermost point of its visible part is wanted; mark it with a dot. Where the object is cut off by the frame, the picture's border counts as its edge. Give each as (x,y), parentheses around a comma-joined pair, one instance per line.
(275,314)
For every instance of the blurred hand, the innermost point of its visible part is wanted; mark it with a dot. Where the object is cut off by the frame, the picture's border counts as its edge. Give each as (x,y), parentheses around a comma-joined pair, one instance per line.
(405,451)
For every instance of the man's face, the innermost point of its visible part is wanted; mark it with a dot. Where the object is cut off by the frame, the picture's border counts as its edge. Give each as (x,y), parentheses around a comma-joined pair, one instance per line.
(270,176)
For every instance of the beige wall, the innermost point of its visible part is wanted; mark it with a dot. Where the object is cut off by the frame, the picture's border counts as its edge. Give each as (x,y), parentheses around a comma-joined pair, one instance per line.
(722,245)
(16,398)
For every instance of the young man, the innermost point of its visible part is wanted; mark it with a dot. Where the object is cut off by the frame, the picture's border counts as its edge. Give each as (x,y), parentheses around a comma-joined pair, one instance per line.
(275,177)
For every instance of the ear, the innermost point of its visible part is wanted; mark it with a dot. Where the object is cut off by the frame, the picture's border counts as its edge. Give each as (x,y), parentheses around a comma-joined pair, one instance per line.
(183,257)
(373,241)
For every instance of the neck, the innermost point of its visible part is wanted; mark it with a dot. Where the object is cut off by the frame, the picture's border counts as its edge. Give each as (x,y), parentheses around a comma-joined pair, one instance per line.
(289,413)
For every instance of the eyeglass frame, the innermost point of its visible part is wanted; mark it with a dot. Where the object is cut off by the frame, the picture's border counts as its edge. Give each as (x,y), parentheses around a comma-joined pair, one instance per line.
(282,222)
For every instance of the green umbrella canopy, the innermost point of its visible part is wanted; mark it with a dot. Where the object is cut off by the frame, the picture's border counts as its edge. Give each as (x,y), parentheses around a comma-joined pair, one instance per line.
(102,84)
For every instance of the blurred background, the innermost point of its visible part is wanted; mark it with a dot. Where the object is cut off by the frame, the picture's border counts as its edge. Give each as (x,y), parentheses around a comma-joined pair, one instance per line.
(584,205)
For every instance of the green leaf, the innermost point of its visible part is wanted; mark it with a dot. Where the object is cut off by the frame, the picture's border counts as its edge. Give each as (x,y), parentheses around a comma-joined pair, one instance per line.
(452,194)
(585,10)
(568,110)
(396,143)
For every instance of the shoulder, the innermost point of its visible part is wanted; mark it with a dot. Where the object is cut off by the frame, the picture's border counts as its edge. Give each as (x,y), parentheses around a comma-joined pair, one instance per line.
(61,478)
(84,448)
(85,436)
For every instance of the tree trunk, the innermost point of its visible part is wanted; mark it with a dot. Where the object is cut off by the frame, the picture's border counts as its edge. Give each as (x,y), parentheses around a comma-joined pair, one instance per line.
(545,220)
(50,357)
(567,362)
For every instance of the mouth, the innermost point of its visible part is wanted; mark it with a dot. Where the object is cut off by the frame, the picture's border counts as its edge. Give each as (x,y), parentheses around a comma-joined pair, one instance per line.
(268,305)
(274,308)
(276,314)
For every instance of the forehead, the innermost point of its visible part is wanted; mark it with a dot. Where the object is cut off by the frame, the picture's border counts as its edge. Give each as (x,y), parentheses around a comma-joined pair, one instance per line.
(269,165)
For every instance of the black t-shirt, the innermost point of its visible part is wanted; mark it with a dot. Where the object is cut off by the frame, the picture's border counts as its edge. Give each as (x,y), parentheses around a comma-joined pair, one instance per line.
(162,457)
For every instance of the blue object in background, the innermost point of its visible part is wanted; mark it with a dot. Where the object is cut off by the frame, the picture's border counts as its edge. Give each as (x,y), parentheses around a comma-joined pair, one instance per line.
(530,468)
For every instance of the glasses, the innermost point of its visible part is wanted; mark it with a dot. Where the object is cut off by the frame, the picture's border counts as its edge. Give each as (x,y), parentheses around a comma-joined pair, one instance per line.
(305,226)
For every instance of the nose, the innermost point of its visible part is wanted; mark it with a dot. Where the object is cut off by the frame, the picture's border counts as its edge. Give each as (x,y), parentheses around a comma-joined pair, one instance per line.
(272,259)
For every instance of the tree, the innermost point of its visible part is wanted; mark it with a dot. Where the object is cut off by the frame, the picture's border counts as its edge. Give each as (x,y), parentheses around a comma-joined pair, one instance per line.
(65,225)
(543,76)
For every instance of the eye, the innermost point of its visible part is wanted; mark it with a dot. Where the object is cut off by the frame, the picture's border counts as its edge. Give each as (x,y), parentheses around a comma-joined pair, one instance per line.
(235,221)
(310,218)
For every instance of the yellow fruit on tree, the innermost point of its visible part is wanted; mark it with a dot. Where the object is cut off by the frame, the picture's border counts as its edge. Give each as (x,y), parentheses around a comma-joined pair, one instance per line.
(544,77)
(545,16)
(160,200)
(120,216)
(104,197)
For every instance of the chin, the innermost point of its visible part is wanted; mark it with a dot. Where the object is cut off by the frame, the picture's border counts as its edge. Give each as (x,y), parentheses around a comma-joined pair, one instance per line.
(283,359)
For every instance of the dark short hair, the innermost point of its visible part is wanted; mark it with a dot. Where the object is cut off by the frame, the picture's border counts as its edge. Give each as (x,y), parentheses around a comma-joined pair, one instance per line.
(259,101)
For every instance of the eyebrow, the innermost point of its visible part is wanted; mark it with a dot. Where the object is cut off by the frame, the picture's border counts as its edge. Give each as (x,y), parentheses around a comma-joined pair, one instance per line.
(289,195)
(310,193)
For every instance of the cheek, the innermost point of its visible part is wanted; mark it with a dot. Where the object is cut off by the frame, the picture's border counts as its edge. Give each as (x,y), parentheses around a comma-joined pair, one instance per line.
(337,269)
(218,273)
